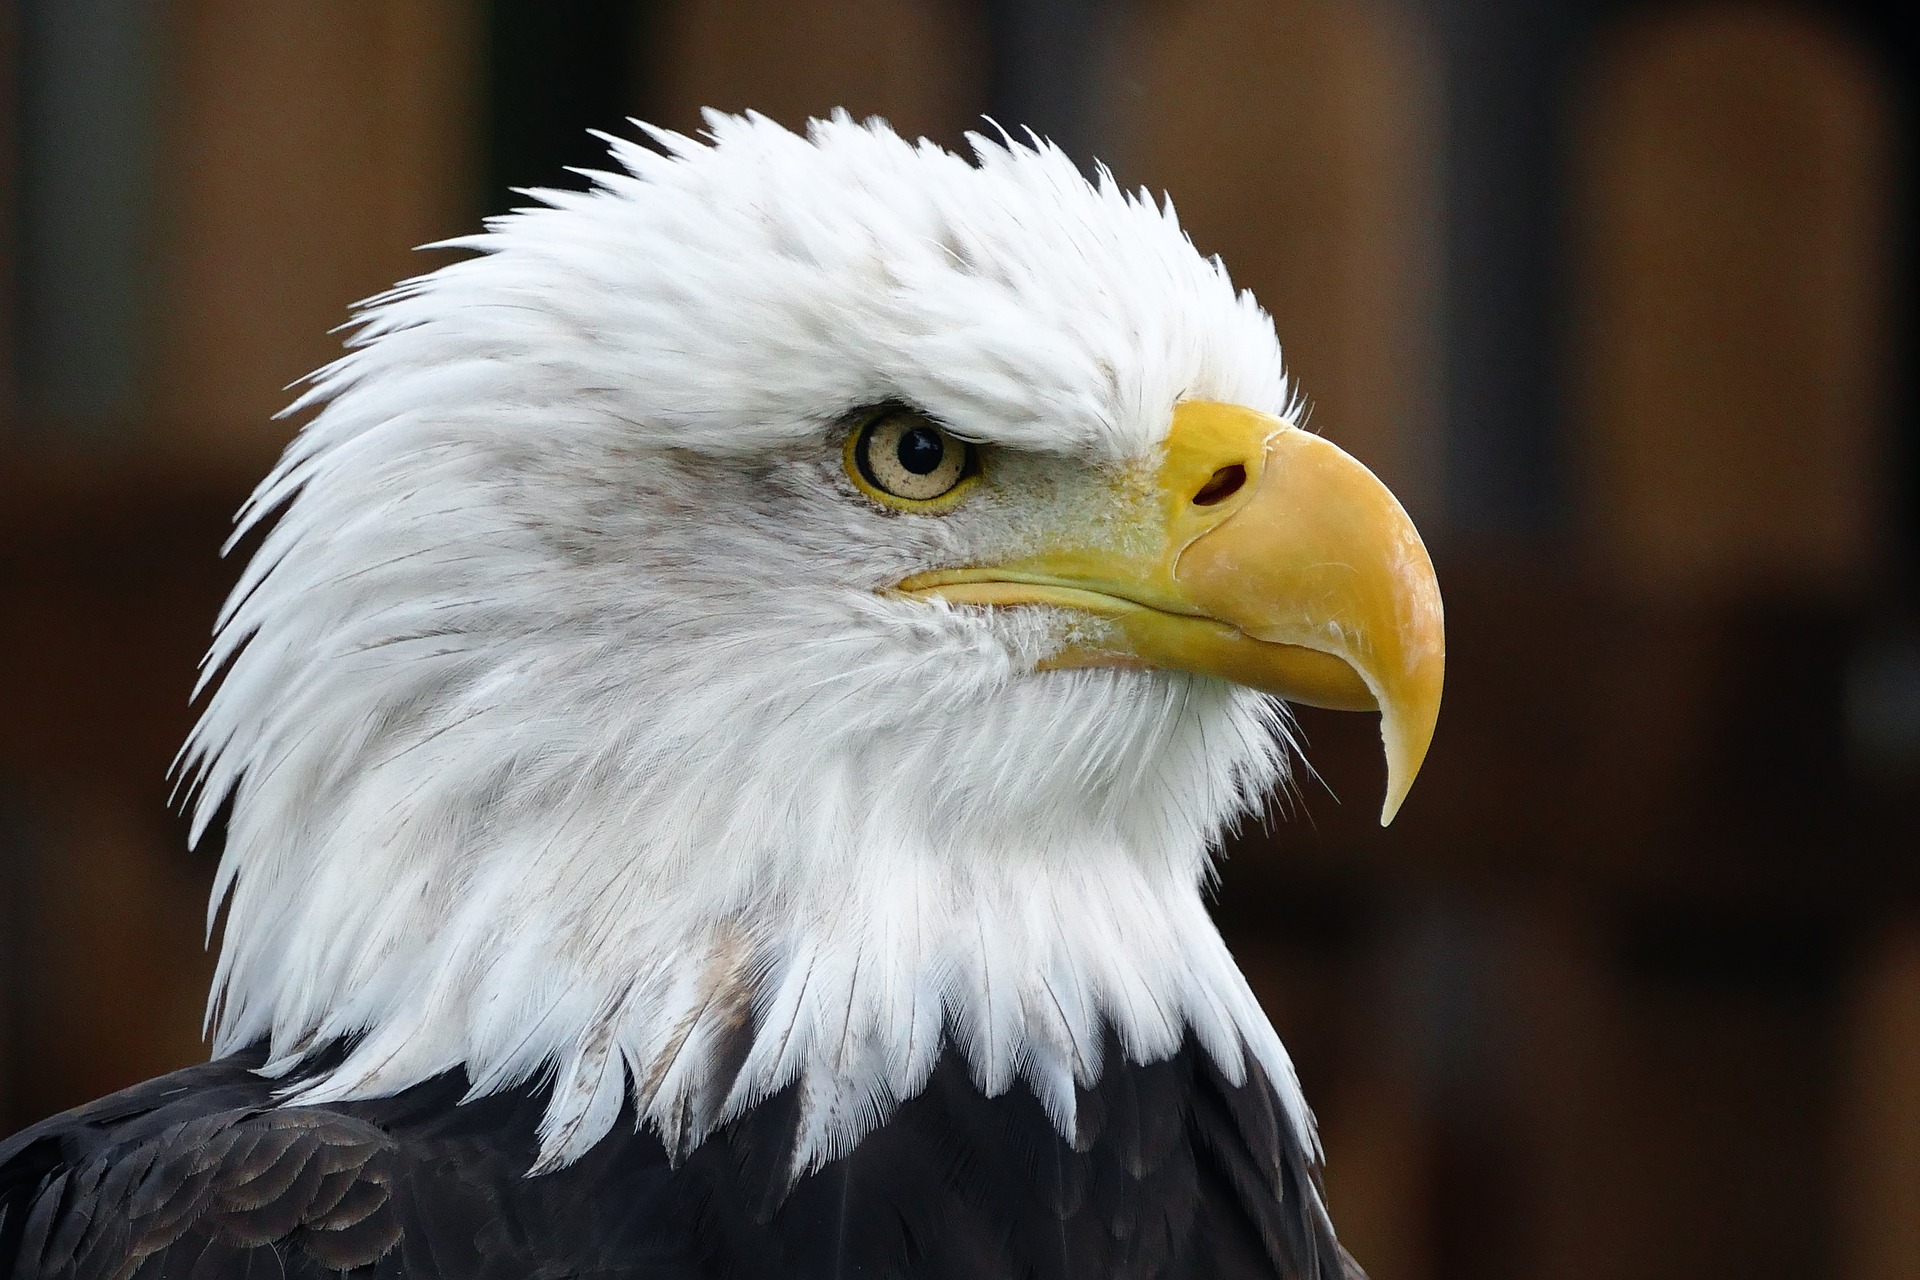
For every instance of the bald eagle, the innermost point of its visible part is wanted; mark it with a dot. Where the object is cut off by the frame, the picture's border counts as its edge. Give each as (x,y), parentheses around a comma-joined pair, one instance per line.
(721,740)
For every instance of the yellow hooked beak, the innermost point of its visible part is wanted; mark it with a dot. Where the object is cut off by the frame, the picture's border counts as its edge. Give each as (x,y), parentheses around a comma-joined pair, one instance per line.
(1269,558)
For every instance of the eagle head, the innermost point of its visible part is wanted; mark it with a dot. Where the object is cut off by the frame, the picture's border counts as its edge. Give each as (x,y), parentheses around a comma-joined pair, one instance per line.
(804,604)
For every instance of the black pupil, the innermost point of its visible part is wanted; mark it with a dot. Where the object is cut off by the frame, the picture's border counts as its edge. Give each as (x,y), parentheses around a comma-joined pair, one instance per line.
(921,450)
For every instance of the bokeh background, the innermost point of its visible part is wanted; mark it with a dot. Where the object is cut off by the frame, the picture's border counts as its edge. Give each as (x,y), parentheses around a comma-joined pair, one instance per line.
(1618,296)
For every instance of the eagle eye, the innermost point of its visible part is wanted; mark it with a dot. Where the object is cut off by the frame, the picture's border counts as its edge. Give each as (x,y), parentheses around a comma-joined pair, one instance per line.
(904,459)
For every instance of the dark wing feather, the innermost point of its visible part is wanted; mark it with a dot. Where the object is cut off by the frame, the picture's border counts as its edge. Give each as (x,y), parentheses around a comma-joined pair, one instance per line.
(1175,1172)
(310,1185)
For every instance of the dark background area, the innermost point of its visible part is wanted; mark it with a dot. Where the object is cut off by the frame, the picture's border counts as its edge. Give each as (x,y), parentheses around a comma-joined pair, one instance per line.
(1618,297)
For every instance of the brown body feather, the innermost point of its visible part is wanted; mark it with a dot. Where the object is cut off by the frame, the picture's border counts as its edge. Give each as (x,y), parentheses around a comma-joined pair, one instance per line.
(1175,1172)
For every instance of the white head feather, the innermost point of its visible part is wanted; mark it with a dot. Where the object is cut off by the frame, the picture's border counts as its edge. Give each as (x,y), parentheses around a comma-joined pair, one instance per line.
(566,723)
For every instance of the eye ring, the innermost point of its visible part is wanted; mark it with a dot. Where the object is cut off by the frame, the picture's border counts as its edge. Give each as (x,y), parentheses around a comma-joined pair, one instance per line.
(905,460)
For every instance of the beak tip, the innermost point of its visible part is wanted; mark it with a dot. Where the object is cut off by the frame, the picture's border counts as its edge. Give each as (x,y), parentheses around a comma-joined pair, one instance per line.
(1406,750)
(1390,808)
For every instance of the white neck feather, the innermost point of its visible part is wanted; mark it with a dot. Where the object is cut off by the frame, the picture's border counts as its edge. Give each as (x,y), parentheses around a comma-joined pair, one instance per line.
(697,929)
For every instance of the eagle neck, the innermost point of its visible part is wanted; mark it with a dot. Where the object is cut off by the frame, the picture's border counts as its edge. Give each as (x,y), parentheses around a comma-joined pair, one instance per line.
(1032,967)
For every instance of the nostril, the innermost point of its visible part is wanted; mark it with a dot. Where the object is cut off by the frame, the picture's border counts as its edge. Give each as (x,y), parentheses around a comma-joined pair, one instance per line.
(1223,484)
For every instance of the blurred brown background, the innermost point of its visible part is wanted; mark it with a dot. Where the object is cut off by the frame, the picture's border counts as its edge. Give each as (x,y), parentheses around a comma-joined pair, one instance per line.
(1617,296)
